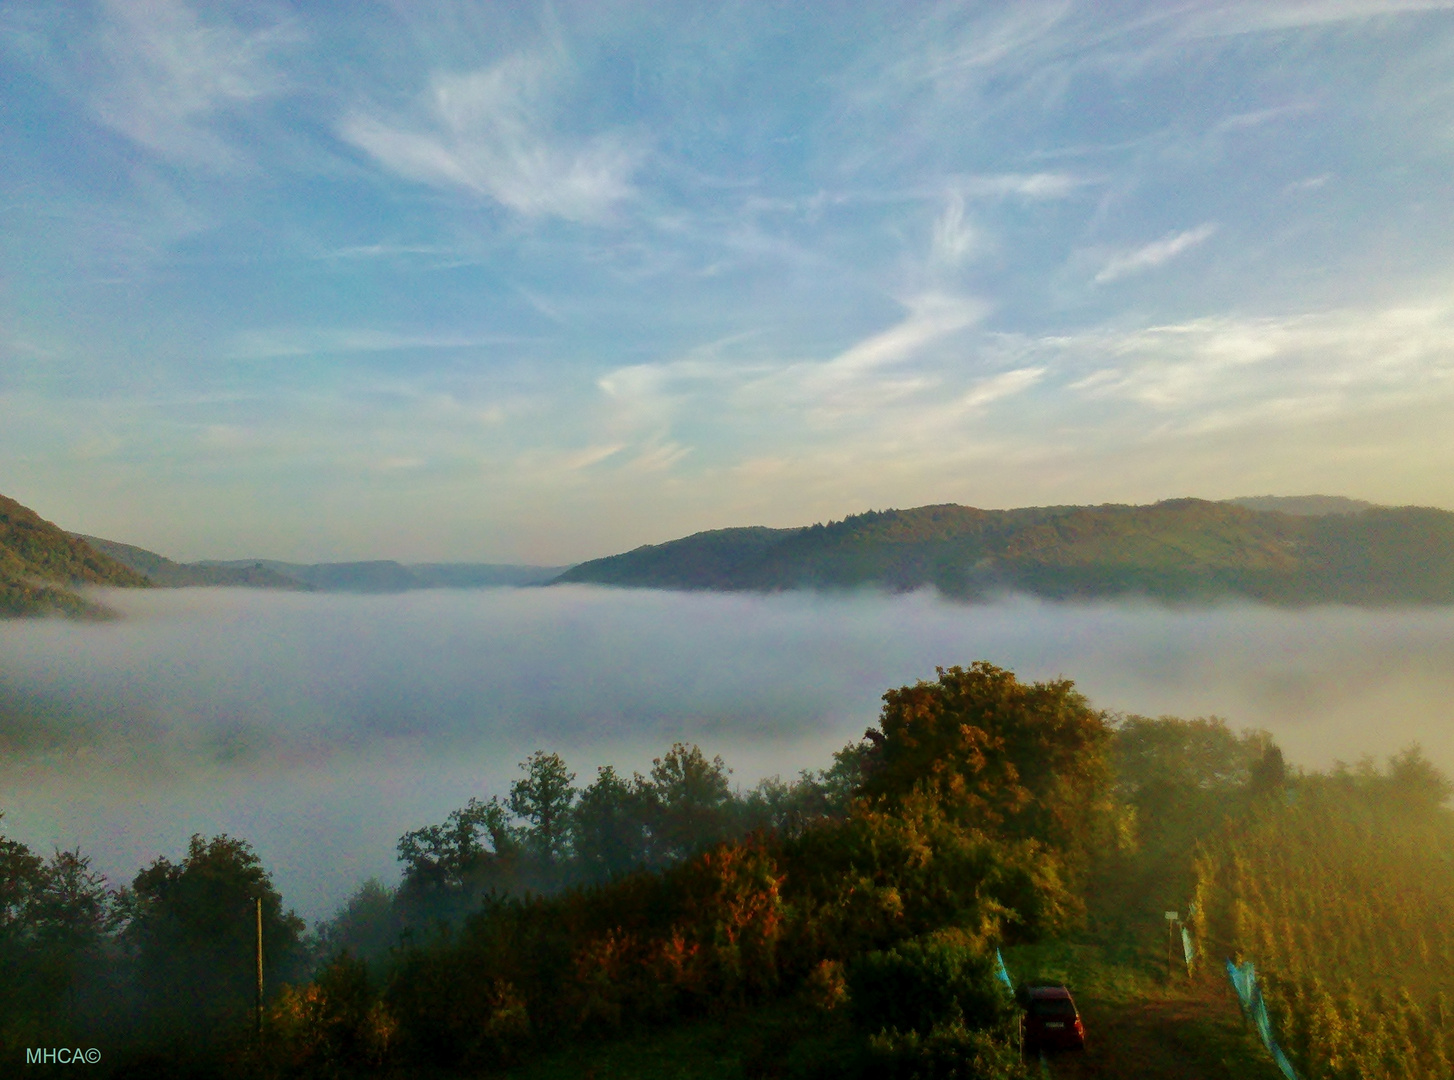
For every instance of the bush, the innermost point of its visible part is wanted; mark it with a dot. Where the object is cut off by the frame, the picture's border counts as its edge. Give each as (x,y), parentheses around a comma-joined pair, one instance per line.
(335,1026)
(947,1052)
(924,984)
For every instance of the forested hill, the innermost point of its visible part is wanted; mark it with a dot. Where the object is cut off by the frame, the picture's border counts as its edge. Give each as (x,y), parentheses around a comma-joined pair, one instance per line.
(1182,549)
(38,561)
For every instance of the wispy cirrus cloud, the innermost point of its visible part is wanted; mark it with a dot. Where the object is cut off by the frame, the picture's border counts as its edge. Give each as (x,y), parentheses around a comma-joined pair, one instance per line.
(1224,374)
(267,344)
(1253,16)
(489,132)
(163,75)
(1153,254)
(954,237)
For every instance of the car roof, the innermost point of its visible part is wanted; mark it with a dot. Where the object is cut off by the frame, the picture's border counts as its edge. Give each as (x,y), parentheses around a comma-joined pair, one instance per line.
(1045,993)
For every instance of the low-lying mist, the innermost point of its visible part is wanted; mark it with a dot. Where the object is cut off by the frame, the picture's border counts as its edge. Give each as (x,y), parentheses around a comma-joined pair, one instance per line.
(321,727)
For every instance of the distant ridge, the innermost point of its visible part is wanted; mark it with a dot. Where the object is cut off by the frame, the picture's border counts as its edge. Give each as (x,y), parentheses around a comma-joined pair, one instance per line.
(1177,550)
(1303,505)
(40,562)
(386,576)
(163,571)
(376,576)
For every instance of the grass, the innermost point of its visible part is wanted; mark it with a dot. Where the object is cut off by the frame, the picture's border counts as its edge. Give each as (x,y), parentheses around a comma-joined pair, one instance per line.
(1138,1024)
(781,1039)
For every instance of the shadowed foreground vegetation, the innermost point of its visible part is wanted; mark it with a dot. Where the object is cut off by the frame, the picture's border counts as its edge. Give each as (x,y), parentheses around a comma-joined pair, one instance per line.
(843,924)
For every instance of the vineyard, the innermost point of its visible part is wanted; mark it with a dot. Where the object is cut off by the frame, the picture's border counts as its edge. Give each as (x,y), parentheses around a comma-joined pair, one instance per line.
(1340,889)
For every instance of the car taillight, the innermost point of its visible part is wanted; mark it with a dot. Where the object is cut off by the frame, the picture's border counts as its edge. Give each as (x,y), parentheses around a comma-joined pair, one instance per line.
(1078,1029)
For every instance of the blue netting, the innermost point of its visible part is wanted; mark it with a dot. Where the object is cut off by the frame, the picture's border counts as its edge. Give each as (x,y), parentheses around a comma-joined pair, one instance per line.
(1001,973)
(1244,981)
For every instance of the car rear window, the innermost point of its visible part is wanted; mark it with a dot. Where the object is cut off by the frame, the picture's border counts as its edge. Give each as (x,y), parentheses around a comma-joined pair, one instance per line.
(1052,1007)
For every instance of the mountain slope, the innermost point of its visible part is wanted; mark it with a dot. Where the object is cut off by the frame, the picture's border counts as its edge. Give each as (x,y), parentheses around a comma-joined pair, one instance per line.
(1184,549)
(1303,505)
(165,572)
(38,561)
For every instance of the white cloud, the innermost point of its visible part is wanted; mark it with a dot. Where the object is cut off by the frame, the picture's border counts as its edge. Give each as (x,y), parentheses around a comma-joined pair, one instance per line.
(953,238)
(1154,253)
(1259,117)
(1041,185)
(165,74)
(903,383)
(1252,16)
(488,132)
(1311,183)
(931,317)
(267,344)
(949,54)
(1221,373)
(1006,384)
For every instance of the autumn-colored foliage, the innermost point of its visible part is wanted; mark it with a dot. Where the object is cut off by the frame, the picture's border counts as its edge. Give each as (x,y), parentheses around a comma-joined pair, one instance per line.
(976,803)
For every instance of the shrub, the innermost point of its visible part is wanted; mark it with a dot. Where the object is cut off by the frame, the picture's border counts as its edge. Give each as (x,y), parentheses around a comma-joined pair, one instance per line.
(946,1052)
(334,1026)
(927,983)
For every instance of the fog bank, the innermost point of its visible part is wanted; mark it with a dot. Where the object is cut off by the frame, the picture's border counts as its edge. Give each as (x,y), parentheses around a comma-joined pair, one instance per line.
(322,726)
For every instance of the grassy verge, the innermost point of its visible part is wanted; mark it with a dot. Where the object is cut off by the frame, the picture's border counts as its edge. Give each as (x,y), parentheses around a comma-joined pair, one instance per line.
(779,1040)
(1138,1023)
(1141,1023)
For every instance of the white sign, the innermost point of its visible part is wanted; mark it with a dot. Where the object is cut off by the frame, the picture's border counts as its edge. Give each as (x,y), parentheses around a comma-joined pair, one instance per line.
(1173,916)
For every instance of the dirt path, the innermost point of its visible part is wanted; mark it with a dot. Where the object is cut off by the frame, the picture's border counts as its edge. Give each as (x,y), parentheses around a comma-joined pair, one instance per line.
(1188,1033)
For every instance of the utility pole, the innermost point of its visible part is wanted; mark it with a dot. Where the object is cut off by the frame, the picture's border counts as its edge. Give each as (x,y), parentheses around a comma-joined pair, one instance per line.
(259,971)
(1172,918)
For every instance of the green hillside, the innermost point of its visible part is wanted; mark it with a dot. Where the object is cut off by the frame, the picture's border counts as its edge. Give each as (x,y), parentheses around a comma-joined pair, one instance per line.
(38,561)
(1183,549)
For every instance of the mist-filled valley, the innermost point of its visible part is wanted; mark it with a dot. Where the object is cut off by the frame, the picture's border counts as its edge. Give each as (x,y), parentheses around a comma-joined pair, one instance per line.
(322,727)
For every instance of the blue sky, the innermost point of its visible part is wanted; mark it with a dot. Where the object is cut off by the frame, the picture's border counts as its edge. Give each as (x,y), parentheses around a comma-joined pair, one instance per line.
(477,281)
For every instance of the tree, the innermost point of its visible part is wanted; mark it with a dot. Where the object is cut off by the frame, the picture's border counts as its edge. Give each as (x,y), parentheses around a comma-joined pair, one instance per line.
(193,928)
(56,918)
(545,798)
(366,926)
(21,873)
(1415,781)
(448,867)
(1021,760)
(690,802)
(610,829)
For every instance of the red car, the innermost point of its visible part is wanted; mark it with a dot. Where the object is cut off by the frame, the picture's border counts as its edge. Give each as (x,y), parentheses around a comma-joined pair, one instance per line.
(1051,1021)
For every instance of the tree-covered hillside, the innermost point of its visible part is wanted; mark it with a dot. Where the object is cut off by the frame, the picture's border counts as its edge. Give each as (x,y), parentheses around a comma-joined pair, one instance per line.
(39,560)
(1183,549)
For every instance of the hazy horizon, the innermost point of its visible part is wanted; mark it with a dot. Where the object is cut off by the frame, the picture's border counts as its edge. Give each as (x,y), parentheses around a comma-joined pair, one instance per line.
(321,727)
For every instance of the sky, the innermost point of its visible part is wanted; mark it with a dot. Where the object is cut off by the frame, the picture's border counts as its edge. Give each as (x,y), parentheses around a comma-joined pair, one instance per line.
(504,282)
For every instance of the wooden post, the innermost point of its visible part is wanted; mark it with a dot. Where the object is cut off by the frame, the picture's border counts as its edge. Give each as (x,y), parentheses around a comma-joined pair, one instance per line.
(1172,918)
(259,971)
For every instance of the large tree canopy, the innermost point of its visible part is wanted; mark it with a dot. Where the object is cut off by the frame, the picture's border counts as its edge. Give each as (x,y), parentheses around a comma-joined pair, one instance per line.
(1021,760)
